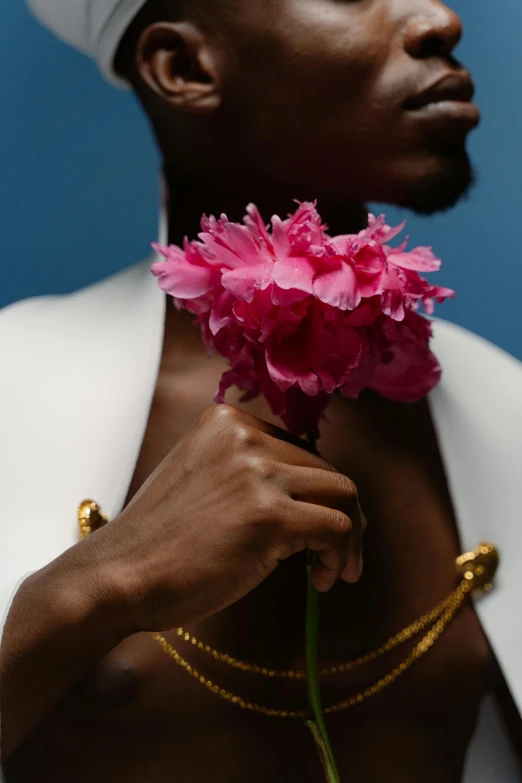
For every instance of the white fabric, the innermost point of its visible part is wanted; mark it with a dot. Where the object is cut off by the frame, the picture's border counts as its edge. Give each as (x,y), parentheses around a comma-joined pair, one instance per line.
(95,27)
(77,376)
(490,757)
(477,411)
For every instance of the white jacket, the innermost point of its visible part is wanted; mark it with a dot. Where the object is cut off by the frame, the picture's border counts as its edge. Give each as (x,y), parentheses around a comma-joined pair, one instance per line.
(77,377)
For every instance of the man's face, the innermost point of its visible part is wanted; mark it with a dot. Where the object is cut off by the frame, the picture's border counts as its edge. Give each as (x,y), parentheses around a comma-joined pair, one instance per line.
(326,95)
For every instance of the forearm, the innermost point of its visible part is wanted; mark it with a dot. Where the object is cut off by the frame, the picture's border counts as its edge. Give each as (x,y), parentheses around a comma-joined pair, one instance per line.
(56,628)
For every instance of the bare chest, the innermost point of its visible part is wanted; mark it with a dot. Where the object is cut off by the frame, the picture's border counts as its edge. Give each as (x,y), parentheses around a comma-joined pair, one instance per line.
(411,543)
(144,718)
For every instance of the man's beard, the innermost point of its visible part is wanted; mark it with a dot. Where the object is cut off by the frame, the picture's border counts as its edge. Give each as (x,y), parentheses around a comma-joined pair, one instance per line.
(443,189)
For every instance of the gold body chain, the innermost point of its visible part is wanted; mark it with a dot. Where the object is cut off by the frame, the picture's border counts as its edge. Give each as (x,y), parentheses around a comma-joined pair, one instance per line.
(477,569)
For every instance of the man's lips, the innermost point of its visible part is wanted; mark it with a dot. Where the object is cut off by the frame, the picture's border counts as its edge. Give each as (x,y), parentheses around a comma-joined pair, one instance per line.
(449,88)
(447,100)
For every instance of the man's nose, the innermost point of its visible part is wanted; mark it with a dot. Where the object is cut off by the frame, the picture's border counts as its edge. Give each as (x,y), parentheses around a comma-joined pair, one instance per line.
(436,30)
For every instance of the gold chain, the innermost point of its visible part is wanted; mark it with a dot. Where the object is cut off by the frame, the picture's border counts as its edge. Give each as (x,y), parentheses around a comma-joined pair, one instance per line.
(407,633)
(478,568)
(418,651)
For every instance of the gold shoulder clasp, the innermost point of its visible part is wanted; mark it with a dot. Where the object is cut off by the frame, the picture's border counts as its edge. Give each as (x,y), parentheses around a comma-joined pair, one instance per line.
(479,566)
(90,517)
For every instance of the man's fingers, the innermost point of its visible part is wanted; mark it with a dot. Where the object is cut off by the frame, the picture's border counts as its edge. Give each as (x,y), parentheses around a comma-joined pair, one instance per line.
(328,568)
(326,500)
(314,486)
(282,445)
(317,485)
(354,565)
(294,452)
(278,433)
(323,530)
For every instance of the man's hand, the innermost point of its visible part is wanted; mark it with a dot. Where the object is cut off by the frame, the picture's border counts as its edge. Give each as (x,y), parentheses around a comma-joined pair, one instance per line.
(231,500)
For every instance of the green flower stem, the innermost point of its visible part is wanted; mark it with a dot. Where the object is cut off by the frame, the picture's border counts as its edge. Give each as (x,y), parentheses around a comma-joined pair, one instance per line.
(329,773)
(316,726)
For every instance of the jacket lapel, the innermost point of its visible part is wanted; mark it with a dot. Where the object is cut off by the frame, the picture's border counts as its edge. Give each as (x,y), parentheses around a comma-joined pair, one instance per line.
(77,378)
(477,410)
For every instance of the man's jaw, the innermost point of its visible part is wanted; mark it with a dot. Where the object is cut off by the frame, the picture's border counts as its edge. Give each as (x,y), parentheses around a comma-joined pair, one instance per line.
(442,189)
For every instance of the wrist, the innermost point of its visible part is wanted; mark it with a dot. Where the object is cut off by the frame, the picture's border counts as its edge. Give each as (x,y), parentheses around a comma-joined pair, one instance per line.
(73,603)
(55,630)
(110,579)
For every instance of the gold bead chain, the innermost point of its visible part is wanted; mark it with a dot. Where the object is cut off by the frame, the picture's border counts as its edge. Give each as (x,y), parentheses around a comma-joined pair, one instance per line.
(341,668)
(478,568)
(418,651)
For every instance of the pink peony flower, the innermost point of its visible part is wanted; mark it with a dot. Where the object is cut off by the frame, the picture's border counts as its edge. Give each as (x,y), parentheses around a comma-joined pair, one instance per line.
(299,313)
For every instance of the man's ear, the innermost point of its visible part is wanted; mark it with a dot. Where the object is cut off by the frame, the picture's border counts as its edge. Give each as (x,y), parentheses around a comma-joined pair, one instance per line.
(178,63)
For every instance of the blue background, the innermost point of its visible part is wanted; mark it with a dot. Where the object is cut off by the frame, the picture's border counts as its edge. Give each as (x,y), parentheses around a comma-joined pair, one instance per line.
(79,185)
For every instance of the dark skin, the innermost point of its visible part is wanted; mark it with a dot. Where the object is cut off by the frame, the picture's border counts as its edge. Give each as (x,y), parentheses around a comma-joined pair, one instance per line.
(264,102)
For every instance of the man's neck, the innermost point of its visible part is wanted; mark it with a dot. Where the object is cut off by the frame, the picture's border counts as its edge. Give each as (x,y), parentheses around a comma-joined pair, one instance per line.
(190,197)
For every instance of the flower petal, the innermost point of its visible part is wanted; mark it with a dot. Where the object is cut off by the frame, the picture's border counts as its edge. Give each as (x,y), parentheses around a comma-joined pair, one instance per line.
(409,370)
(299,412)
(287,297)
(421,259)
(280,238)
(221,312)
(338,287)
(243,282)
(183,280)
(296,273)
(257,227)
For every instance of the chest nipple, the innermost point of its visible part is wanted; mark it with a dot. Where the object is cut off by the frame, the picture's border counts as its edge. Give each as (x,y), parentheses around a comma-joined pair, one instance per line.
(112,682)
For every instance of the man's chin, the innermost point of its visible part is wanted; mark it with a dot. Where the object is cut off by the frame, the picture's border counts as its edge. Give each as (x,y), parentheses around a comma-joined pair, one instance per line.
(441,189)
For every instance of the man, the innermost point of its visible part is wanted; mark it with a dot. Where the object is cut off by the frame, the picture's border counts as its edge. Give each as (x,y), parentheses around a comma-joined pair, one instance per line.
(106,395)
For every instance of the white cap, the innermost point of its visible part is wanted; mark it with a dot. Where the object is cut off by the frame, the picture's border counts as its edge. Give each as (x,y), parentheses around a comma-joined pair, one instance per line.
(94,27)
